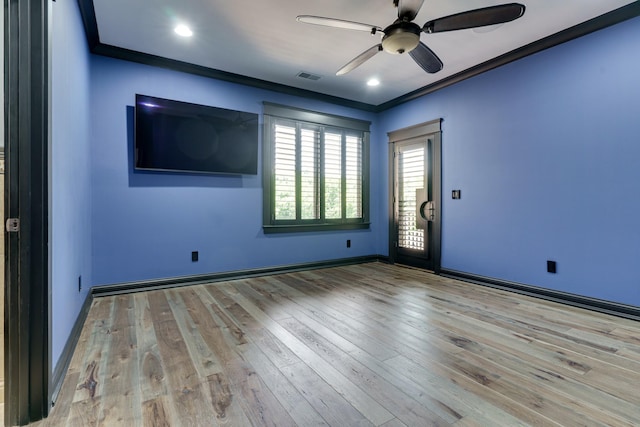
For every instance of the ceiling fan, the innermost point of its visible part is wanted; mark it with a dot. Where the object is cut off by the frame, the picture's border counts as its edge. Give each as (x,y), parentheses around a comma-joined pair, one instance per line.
(403,35)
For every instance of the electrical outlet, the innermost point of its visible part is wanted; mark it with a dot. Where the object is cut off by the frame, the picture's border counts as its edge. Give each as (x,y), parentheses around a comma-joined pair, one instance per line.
(194,256)
(79,283)
(551,267)
(348,243)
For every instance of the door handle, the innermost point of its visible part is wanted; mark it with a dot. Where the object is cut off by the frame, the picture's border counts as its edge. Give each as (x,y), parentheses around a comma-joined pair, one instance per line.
(427,210)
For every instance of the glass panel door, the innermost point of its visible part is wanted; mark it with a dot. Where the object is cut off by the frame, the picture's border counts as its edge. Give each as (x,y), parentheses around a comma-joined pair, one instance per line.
(411,198)
(415,195)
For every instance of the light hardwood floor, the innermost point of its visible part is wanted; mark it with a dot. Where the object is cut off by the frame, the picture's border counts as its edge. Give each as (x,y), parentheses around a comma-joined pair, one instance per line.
(361,345)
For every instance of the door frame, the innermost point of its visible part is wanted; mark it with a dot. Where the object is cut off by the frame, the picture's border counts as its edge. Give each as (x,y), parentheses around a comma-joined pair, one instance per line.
(27,279)
(431,130)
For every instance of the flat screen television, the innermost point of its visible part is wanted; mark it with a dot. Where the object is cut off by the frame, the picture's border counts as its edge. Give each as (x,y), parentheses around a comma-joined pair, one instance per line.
(183,137)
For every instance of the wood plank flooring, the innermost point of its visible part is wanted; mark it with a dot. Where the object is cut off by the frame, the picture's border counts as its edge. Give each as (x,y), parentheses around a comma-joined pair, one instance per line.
(363,345)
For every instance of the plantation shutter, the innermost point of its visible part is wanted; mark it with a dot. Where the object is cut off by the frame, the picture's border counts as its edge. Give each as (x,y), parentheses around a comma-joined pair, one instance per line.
(353,176)
(332,175)
(285,168)
(309,173)
(315,171)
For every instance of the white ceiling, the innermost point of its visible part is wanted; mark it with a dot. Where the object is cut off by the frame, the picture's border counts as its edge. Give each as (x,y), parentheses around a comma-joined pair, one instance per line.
(262,39)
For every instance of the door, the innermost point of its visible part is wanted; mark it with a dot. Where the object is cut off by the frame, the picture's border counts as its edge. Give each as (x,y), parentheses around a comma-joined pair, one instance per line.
(415,233)
(27,286)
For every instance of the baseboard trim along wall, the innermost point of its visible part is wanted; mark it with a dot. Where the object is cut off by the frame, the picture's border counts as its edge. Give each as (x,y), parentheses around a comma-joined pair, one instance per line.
(100,291)
(67,353)
(172,282)
(602,306)
(589,303)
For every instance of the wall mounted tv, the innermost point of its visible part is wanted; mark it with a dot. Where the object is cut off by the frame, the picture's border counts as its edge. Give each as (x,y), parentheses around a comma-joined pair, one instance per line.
(182,137)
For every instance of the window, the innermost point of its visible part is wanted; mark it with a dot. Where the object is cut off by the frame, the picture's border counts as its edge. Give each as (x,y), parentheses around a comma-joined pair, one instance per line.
(316,171)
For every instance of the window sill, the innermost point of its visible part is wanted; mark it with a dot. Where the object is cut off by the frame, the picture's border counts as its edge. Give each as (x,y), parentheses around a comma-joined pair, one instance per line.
(301,228)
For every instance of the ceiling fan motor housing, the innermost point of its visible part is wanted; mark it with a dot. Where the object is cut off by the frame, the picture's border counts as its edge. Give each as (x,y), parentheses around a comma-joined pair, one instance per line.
(401,37)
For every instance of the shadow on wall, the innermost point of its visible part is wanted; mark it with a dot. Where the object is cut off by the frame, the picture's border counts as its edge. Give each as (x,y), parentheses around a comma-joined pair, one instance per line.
(146,178)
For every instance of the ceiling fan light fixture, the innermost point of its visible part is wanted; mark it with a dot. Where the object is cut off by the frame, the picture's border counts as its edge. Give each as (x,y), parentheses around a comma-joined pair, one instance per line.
(401,37)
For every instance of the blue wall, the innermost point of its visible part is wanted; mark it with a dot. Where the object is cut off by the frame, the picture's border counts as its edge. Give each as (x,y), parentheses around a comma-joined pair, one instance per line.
(145,225)
(70,173)
(546,151)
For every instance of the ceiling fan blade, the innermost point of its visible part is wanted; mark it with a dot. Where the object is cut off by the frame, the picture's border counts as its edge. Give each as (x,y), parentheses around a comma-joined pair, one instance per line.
(408,9)
(476,18)
(337,23)
(426,59)
(360,59)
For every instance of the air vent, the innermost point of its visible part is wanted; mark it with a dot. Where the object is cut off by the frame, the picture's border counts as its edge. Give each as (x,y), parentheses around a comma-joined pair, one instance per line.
(308,76)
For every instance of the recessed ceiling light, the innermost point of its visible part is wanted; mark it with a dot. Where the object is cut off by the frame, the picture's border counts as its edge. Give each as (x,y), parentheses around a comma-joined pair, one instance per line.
(183,31)
(373,82)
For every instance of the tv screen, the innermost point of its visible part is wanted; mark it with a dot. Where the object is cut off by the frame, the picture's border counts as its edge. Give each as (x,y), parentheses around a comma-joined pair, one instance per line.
(183,137)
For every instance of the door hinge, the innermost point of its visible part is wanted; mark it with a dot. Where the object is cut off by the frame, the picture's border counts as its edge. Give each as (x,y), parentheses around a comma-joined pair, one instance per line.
(12,225)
